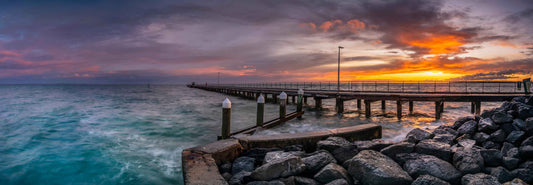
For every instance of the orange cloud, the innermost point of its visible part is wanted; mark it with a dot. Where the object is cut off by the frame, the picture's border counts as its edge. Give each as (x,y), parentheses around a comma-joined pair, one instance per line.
(353,25)
(435,43)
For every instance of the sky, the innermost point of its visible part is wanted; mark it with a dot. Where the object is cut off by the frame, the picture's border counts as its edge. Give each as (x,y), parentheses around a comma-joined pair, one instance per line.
(160,41)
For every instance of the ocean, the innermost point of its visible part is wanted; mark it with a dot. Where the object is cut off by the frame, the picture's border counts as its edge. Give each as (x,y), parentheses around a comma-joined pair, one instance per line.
(134,134)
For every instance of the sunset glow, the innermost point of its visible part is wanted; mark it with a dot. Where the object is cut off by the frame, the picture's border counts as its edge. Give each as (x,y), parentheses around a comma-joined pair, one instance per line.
(181,42)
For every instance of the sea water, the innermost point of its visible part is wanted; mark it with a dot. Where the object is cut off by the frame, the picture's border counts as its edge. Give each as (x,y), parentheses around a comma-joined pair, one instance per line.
(134,134)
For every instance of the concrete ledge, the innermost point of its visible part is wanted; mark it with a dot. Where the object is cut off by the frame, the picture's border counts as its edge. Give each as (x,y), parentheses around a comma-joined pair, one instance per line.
(309,139)
(222,151)
(200,169)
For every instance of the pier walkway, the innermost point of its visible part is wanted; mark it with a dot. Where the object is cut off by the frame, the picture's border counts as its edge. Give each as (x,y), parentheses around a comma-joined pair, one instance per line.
(473,92)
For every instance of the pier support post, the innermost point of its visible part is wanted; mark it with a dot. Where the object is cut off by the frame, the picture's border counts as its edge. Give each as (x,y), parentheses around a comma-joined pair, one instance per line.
(399,109)
(318,103)
(299,106)
(472,107)
(275,98)
(260,110)
(226,119)
(358,104)
(305,100)
(339,104)
(442,107)
(383,105)
(410,107)
(478,107)
(438,106)
(293,99)
(367,109)
(282,104)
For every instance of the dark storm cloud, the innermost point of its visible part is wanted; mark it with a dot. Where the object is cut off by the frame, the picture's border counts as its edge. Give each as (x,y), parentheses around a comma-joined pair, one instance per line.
(499,75)
(524,14)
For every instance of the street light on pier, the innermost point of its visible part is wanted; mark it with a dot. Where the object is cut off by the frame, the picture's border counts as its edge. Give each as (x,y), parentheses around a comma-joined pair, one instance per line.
(339,71)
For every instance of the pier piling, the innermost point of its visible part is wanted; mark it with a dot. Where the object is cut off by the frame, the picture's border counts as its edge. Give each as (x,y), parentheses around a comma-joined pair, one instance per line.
(226,118)
(367,108)
(339,104)
(299,106)
(260,110)
(383,105)
(358,104)
(399,109)
(282,104)
(410,107)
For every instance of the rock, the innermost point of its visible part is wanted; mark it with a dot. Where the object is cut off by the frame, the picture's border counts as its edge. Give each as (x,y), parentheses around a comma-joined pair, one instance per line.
(479,179)
(338,182)
(520,99)
(526,148)
(279,168)
(299,180)
(524,111)
(431,165)
(445,138)
(515,181)
(491,145)
(464,136)
(227,176)
(372,167)
(332,143)
(498,136)
(513,152)
(239,178)
(505,147)
(487,113)
(501,118)
(259,153)
(226,167)
(501,174)
(529,126)
(402,147)
(481,137)
(275,182)
(416,135)
(404,157)
(516,136)
(438,149)
(332,172)
(429,180)
(461,121)
(510,163)
(467,143)
(318,160)
(519,123)
(508,128)
(271,156)
(445,130)
(375,144)
(487,125)
(468,160)
(243,164)
(467,128)
(293,148)
(524,174)
(491,157)
(344,153)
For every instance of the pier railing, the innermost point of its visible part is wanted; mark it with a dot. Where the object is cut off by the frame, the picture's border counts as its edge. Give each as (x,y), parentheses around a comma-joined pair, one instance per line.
(484,87)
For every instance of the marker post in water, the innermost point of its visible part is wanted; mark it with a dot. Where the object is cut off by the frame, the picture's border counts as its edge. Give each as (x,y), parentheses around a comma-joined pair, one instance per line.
(300,97)
(260,110)
(226,118)
(282,104)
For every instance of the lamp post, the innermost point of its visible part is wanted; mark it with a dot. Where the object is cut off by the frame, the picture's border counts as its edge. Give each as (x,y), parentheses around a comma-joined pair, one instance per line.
(339,71)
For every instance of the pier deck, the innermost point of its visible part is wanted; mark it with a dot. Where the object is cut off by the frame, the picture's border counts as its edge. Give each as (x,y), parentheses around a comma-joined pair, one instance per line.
(439,97)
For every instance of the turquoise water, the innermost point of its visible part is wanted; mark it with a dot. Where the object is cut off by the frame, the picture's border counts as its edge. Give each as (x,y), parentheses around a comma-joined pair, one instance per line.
(132,134)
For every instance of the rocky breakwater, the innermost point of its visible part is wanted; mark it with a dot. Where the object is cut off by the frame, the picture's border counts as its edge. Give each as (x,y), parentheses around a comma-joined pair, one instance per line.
(493,148)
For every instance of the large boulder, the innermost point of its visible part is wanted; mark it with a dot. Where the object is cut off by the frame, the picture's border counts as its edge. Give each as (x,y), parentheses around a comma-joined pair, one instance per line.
(487,125)
(375,144)
(437,149)
(468,160)
(491,157)
(431,165)
(240,178)
(515,181)
(259,153)
(481,137)
(510,163)
(461,121)
(502,174)
(318,160)
(529,126)
(525,111)
(524,174)
(498,136)
(279,168)
(344,153)
(416,135)
(516,136)
(299,180)
(467,143)
(519,123)
(372,167)
(429,180)
(332,172)
(526,148)
(468,127)
(332,143)
(243,164)
(479,179)
(445,138)
(271,156)
(338,182)
(501,117)
(444,129)
(402,147)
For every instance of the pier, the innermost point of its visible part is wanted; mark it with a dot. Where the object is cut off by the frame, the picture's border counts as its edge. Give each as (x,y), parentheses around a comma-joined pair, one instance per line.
(399,93)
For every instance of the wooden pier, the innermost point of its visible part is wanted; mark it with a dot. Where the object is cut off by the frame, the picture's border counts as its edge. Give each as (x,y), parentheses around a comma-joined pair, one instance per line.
(367,97)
